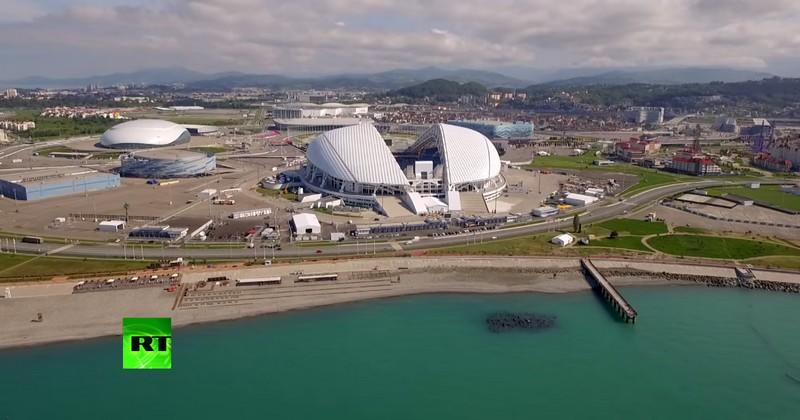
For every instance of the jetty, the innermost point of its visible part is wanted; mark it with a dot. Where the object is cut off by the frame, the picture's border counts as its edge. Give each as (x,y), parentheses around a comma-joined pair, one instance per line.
(607,290)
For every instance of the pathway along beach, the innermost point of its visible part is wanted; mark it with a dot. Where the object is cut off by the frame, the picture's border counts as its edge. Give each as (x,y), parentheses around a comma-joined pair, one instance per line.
(95,314)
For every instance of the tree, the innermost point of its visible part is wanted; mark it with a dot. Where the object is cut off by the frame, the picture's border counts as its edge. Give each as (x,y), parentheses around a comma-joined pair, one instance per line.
(576,224)
(126,206)
(613,234)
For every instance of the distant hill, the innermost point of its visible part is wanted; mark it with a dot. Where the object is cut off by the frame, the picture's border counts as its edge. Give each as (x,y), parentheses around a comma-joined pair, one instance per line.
(386,80)
(675,76)
(440,89)
(161,76)
(774,92)
(392,79)
(407,77)
(396,79)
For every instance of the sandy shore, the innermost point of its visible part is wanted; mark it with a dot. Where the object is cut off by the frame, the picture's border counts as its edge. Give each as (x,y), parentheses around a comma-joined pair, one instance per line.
(95,314)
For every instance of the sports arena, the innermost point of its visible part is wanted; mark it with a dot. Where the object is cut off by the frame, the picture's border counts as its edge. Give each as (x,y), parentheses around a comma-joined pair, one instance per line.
(444,167)
(167,164)
(144,134)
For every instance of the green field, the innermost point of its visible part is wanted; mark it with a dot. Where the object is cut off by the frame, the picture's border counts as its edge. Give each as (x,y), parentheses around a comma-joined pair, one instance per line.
(718,247)
(649,178)
(53,149)
(538,244)
(635,227)
(626,242)
(771,194)
(47,127)
(20,267)
(781,261)
(689,229)
(583,161)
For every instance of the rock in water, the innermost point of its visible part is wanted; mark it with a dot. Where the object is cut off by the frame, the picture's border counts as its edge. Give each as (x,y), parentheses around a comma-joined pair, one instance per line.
(507,321)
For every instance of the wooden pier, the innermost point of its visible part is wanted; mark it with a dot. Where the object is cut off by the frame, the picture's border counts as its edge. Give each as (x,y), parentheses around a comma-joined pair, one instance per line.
(602,286)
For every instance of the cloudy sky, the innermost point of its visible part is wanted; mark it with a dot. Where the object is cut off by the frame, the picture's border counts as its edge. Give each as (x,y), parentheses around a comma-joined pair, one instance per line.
(61,38)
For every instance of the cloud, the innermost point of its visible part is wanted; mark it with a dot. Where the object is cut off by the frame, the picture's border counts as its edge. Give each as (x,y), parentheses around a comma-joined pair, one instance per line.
(19,11)
(276,36)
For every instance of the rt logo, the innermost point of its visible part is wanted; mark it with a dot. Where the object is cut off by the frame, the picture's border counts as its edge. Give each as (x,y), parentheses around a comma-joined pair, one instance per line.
(146,343)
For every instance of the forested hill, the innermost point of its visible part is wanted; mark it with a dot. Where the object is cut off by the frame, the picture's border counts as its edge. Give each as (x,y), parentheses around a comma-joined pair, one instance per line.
(773,91)
(440,89)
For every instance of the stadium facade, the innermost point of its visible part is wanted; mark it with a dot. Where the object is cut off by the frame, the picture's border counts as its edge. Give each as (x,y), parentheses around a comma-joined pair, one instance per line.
(167,164)
(498,129)
(326,110)
(446,162)
(144,134)
(51,183)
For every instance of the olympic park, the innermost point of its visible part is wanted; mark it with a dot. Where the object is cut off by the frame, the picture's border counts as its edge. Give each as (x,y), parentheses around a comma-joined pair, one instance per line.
(224,183)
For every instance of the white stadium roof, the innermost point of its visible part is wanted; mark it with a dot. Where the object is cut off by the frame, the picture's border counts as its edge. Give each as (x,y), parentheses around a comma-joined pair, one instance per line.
(468,156)
(357,154)
(144,133)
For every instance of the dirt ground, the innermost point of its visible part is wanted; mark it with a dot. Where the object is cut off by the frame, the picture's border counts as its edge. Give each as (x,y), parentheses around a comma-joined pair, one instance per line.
(681,218)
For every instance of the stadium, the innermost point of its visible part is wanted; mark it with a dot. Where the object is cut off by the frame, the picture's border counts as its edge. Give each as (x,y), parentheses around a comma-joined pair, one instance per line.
(144,134)
(167,164)
(445,166)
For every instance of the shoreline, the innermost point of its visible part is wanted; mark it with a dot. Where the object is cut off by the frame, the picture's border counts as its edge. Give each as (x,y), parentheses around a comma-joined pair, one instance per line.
(200,324)
(77,317)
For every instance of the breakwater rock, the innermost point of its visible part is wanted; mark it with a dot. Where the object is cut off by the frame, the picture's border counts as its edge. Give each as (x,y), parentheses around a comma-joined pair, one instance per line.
(507,321)
(708,281)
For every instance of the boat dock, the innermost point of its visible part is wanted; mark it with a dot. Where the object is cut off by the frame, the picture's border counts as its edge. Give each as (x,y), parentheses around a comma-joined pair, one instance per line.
(610,293)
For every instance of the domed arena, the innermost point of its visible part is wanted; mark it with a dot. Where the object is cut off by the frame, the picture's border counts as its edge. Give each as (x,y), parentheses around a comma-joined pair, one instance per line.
(445,164)
(144,134)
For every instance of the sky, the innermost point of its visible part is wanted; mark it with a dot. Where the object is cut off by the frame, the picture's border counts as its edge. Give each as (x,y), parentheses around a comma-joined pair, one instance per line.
(75,38)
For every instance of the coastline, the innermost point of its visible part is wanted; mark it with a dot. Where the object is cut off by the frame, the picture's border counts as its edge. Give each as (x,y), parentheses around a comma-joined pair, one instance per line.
(72,317)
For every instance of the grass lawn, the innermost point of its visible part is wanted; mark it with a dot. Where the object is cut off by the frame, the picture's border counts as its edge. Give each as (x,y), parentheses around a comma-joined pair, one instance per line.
(107,155)
(635,227)
(529,245)
(717,247)
(565,162)
(54,149)
(11,266)
(786,262)
(767,193)
(688,229)
(626,242)
(649,178)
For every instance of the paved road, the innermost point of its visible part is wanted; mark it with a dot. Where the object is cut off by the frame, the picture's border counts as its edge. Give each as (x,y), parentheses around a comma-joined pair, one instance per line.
(592,214)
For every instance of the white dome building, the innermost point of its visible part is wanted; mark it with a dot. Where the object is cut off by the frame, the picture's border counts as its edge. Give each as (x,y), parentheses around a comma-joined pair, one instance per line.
(144,134)
(446,162)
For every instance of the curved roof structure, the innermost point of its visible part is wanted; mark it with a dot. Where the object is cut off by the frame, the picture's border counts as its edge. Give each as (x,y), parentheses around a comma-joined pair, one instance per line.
(357,154)
(467,155)
(138,134)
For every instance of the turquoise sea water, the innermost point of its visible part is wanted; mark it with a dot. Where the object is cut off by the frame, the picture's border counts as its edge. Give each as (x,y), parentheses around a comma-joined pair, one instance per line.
(694,353)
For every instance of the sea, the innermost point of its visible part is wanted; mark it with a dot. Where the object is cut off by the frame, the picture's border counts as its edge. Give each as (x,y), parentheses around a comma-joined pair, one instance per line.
(694,353)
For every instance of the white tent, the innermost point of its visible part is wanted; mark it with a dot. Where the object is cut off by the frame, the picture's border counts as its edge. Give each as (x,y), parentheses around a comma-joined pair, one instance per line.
(305,223)
(563,240)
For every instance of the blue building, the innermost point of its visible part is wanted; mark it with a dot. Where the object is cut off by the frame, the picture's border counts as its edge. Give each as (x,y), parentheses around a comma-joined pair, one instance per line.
(37,185)
(498,129)
(168,164)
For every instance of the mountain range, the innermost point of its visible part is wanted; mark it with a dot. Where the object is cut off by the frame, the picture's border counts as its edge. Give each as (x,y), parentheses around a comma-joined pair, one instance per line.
(395,79)
(672,76)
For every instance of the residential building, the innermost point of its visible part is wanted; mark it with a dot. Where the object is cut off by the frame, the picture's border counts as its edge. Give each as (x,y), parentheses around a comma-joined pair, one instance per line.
(647,115)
